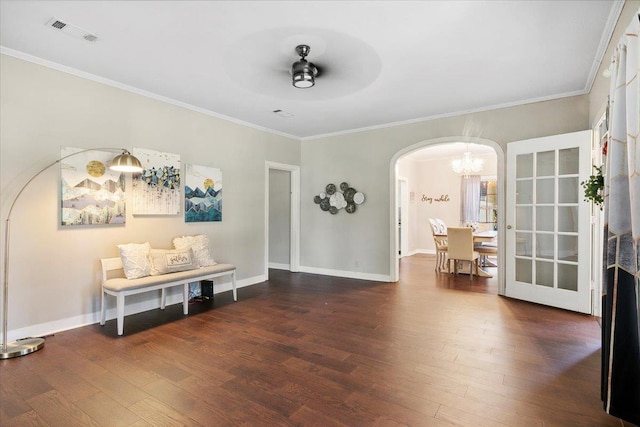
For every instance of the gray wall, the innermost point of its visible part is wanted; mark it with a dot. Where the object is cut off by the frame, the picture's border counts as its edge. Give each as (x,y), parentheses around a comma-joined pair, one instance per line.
(360,242)
(279,216)
(54,271)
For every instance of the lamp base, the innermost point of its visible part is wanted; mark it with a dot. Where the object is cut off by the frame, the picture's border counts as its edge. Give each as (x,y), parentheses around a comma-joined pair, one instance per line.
(21,347)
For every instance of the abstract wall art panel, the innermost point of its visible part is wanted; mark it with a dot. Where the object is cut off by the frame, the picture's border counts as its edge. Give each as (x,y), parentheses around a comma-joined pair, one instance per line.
(156,191)
(91,193)
(202,194)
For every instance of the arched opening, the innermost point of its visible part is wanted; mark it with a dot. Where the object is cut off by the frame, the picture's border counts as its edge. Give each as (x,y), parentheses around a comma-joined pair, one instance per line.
(395,214)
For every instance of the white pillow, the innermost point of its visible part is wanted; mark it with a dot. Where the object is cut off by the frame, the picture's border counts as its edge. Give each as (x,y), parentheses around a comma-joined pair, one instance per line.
(200,246)
(134,259)
(162,261)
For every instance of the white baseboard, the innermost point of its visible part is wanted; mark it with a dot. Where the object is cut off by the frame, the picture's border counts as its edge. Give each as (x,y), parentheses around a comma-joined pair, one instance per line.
(419,251)
(426,251)
(346,274)
(279,266)
(174,296)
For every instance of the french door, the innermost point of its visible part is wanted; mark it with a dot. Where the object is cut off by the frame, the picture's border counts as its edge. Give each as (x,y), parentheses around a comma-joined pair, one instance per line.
(547,236)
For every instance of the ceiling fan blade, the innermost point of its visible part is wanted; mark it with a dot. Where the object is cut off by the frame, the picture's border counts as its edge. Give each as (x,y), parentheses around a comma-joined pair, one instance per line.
(322,70)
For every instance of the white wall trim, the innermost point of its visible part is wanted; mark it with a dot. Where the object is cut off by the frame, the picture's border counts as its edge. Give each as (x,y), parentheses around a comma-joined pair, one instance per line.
(393,212)
(419,251)
(605,39)
(279,266)
(447,115)
(294,244)
(346,274)
(65,69)
(174,296)
(616,10)
(425,251)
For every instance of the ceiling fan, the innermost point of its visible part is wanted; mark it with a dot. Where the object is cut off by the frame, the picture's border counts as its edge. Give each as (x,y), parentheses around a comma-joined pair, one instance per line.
(303,72)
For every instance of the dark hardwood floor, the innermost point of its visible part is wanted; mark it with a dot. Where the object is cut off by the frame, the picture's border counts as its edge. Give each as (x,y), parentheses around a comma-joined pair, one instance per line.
(304,349)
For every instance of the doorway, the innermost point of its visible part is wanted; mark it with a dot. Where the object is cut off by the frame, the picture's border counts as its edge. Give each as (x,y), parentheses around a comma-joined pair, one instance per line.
(282,217)
(403,217)
(427,198)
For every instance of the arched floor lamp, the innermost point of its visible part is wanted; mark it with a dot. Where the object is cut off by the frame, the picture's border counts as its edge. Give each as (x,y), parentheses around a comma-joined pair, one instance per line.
(124,162)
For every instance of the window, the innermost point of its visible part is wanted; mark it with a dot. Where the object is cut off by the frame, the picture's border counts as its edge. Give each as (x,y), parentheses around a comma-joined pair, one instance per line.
(488,201)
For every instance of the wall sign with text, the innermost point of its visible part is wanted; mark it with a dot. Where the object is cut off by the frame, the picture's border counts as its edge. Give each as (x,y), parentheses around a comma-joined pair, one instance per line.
(430,200)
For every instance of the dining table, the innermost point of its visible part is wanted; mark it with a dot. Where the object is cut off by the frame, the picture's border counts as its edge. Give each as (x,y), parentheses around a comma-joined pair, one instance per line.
(485,236)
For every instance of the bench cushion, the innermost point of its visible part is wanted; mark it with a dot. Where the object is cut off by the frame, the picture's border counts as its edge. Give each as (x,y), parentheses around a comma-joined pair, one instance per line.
(121,284)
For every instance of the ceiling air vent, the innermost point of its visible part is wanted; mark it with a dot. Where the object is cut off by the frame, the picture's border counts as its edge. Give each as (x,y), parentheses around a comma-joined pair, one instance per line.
(59,25)
(282,113)
(71,30)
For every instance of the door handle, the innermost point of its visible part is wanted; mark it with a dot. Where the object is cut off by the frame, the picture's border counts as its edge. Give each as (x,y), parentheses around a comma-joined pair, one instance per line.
(508,227)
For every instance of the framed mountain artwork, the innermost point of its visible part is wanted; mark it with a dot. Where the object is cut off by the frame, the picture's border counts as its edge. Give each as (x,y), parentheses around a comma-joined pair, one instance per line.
(202,194)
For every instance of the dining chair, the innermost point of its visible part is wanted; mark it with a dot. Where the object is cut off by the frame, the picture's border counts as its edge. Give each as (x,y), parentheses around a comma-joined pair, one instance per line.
(440,245)
(485,250)
(460,243)
(442,226)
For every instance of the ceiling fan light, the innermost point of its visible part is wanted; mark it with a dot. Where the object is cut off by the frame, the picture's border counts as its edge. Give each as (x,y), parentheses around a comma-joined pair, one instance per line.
(303,72)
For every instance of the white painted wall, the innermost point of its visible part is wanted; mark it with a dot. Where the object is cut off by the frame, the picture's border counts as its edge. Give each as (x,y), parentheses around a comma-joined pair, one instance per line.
(54,271)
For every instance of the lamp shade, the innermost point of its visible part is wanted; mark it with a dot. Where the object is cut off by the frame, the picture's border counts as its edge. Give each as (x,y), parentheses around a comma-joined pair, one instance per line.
(126,162)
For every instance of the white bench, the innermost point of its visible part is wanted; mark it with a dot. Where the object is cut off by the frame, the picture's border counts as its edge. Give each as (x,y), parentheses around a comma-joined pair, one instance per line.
(115,283)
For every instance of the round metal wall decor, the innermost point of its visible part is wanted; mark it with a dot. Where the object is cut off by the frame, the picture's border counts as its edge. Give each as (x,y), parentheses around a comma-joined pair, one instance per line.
(333,198)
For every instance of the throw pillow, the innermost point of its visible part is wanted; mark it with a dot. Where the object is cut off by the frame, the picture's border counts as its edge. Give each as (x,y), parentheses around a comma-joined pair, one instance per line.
(200,246)
(164,261)
(134,259)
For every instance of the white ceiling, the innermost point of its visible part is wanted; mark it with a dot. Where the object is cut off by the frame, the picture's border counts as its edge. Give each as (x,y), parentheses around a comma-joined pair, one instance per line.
(383,62)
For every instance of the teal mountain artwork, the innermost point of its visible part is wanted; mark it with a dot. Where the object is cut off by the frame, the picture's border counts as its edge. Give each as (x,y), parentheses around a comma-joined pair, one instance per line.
(202,206)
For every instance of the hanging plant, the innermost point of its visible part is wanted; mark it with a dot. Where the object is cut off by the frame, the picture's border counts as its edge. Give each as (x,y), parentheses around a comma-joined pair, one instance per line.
(594,187)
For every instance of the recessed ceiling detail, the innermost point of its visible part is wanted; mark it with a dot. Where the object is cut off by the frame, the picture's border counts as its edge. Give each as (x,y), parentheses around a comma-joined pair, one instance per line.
(380,63)
(346,64)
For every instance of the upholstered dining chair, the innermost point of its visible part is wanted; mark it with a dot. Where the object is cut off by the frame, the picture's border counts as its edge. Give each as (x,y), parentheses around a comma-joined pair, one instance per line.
(485,250)
(460,243)
(442,225)
(440,245)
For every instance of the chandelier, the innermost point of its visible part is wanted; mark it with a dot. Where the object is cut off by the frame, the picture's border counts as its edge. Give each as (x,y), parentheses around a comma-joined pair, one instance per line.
(467,165)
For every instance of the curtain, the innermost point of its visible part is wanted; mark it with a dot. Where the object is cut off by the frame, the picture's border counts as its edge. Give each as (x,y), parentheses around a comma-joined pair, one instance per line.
(470,199)
(621,304)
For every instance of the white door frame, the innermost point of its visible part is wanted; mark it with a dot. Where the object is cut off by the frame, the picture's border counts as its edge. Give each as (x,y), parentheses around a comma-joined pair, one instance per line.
(294,244)
(597,221)
(393,212)
(403,203)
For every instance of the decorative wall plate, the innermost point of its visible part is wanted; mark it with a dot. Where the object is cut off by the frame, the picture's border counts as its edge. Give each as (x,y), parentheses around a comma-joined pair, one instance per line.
(334,199)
